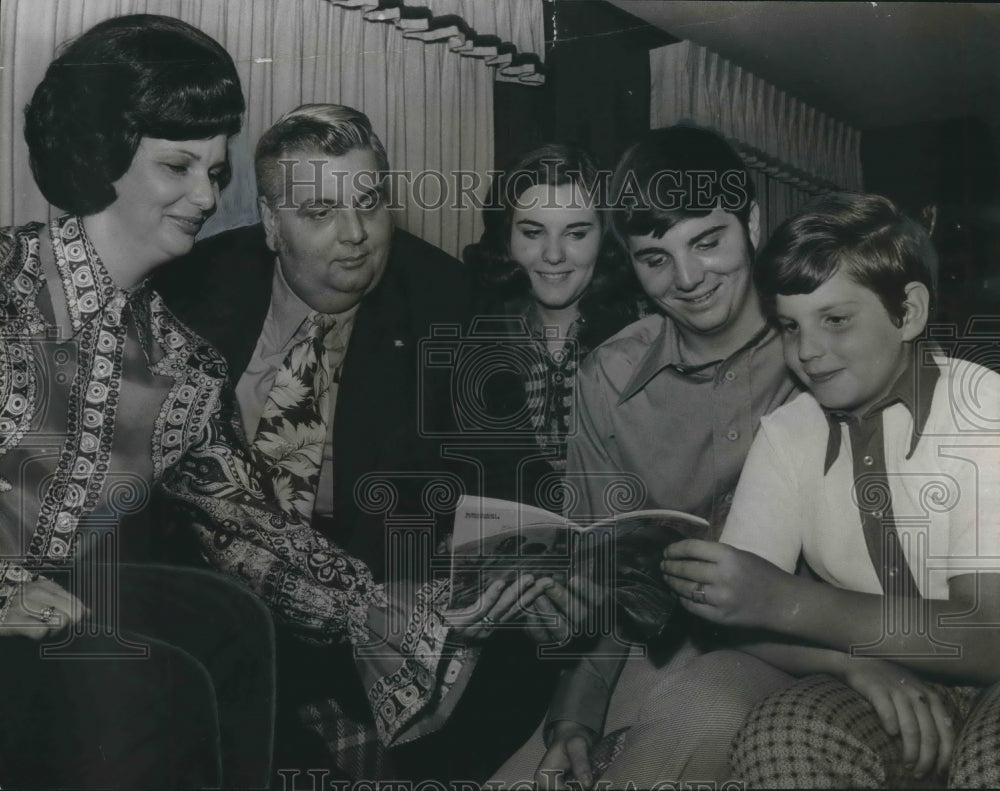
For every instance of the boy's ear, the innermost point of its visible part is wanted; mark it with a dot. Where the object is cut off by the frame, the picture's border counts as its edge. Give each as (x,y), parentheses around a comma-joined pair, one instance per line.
(916,310)
(753,225)
(270,223)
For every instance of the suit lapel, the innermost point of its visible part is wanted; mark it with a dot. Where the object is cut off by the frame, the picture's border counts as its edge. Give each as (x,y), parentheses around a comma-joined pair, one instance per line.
(222,290)
(375,384)
(244,339)
(241,321)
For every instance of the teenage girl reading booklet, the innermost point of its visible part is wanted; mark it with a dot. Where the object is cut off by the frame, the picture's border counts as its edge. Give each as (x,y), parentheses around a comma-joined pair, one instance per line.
(495,539)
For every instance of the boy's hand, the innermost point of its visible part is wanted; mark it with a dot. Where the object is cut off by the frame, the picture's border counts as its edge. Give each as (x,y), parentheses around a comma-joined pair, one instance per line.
(726,585)
(569,746)
(908,708)
(562,611)
(544,622)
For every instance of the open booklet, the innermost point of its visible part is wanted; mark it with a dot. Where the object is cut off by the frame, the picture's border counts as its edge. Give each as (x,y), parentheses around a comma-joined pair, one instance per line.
(497,539)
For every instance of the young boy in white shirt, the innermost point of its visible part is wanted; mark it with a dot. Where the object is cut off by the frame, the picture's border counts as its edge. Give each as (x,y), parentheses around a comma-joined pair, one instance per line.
(885,480)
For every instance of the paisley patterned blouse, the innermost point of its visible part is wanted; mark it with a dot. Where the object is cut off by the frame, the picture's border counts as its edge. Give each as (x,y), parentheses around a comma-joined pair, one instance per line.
(95,406)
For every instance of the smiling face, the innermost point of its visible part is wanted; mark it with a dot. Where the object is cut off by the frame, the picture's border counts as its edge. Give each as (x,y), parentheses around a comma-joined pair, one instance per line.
(556,241)
(842,344)
(169,190)
(332,245)
(698,272)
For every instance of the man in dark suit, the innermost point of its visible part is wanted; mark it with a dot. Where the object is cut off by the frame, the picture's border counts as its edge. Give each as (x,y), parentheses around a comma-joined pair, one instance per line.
(327,253)
(389,288)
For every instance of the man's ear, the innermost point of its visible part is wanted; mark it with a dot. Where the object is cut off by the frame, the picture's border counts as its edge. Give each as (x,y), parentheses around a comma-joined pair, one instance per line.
(270,219)
(916,310)
(753,225)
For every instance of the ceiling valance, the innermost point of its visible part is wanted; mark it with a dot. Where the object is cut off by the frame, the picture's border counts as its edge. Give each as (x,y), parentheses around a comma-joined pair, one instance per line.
(507,36)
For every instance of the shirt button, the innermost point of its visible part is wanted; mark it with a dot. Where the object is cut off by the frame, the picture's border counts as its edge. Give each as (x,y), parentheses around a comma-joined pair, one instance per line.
(730,376)
(728,498)
(732,435)
(868,461)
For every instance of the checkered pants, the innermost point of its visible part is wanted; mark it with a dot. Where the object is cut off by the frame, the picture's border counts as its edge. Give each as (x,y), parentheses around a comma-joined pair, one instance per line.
(820,733)
(354,748)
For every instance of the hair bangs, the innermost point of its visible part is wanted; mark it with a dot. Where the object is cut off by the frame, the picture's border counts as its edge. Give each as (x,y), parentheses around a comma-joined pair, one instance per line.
(653,221)
(191,103)
(778,270)
(554,165)
(674,174)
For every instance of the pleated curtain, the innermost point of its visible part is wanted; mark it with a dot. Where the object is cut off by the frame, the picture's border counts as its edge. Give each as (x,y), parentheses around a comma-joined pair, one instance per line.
(432,107)
(793,150)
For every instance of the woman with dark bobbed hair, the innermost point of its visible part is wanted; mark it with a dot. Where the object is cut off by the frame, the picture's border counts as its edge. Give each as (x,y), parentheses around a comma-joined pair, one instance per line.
(547,255)
(101,391)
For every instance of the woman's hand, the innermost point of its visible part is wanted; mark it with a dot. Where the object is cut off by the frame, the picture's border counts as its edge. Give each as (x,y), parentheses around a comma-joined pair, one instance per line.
(40,609)
(908,708)
(568,750)
(499,603)
(726,585)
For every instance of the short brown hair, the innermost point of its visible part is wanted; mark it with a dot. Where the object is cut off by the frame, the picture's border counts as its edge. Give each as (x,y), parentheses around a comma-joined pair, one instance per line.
(329,129)
(867,236)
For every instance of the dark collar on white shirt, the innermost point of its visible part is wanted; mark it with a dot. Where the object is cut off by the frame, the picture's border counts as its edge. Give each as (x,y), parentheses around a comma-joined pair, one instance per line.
(914,389)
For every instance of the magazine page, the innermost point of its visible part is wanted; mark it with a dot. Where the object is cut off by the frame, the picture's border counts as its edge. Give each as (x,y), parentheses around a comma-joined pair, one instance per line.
(494,539)
(639,539)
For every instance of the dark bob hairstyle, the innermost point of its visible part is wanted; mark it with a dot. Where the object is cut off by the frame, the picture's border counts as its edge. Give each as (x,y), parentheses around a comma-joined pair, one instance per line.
(126,78)
(611,300)
(866,236)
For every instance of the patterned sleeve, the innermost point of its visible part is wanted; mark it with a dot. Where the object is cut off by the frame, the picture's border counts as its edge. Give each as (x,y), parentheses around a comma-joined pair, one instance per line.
(20,321)
(398,629)
(309,583)
(12,577)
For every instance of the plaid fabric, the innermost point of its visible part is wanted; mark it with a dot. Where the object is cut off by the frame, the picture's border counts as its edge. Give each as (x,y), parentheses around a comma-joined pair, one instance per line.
(976,763)
(607,750)
(549,390)
(354,747)
(820,733)
(603,754)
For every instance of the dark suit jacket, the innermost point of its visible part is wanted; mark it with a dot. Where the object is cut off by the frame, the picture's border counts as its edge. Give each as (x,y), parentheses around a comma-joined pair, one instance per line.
(222,289)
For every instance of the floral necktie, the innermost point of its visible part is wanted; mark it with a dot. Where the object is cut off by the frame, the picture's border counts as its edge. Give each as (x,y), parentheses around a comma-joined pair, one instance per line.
(292,427)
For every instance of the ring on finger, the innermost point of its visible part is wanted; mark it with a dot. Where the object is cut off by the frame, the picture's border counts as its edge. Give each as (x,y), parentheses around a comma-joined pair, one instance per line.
(698,594)
(46,614)
(488,623)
